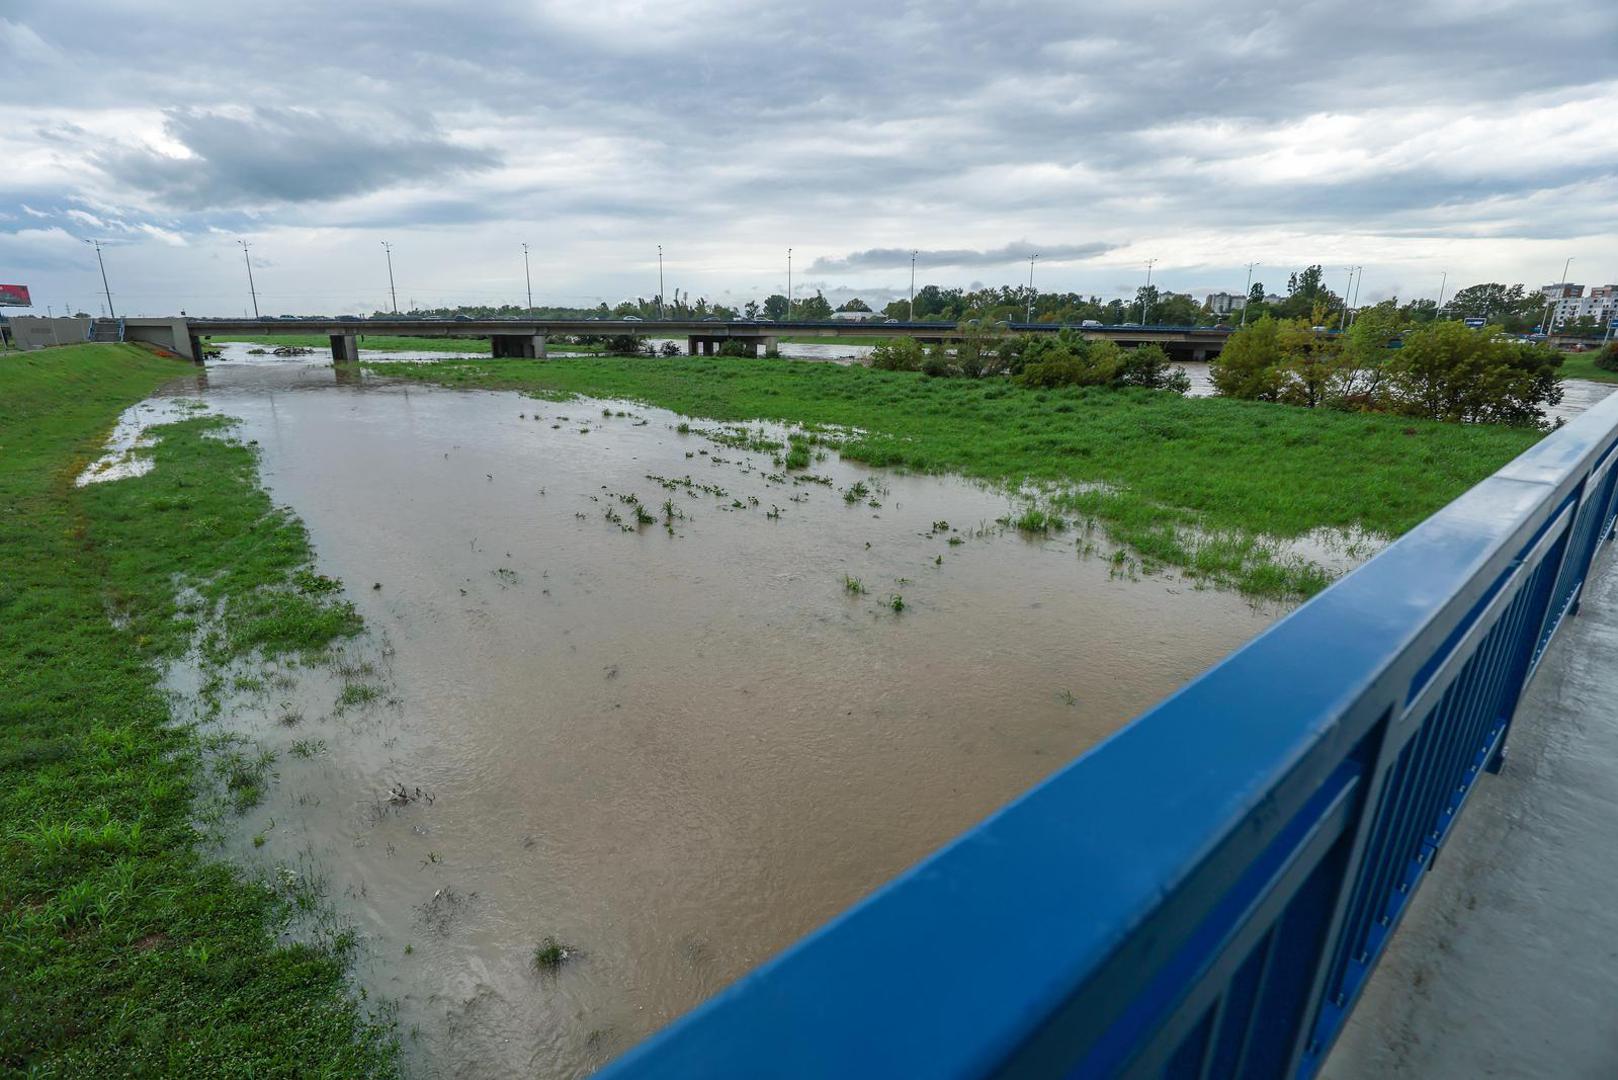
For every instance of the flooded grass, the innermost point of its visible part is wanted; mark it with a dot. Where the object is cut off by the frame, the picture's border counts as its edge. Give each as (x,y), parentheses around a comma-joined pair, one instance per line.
(130,950)
(1161,472)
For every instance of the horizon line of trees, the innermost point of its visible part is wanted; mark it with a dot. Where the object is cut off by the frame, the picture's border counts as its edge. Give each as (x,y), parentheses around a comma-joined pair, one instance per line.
(1513,308)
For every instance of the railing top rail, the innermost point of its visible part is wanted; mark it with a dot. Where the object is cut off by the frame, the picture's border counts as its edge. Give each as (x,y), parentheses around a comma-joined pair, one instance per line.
(954,967)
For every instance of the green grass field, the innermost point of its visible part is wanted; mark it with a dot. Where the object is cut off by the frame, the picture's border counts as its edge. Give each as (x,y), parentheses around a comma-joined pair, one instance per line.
(1195,483)
(128,949)
(1583,366)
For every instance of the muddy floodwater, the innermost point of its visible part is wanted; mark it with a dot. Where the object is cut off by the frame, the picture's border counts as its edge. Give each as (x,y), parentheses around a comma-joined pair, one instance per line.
(672,748)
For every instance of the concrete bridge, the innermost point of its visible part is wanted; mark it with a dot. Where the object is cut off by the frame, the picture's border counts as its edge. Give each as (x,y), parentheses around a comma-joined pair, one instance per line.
(530,337)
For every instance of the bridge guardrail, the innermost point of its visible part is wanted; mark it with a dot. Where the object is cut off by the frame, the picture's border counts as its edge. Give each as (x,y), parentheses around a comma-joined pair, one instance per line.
(1207,892)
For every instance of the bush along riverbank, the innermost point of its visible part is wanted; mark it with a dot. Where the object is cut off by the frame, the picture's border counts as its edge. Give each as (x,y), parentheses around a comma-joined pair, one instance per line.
(128,948)
(1213,487)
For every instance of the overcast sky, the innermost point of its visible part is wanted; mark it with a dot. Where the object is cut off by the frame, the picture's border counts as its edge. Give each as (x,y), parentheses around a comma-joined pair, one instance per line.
(1477,137)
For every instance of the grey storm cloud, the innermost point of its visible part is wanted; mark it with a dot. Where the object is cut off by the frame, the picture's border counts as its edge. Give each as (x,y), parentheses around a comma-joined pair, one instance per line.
(893,258)
(284,156)
(1204,136)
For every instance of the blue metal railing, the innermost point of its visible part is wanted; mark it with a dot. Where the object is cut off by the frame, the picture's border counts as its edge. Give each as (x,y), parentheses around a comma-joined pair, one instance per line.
(1206,893)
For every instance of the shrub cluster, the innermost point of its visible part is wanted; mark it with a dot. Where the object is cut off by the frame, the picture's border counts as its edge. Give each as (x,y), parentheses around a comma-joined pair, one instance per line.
(1440,371)
(1036,360)
(1607,358)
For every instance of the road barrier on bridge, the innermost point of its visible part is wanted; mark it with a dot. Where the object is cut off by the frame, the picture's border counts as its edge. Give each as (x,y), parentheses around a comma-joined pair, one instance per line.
(1206,893)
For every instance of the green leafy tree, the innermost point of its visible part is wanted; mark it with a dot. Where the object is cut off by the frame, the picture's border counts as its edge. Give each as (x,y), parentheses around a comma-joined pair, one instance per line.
(1311,362)
(898,354)
(775,307)
(1249,366)
(1447,371)
(855,304)
(812,308)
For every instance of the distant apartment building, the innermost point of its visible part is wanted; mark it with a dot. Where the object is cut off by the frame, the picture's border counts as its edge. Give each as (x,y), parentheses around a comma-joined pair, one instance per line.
(1558,290)
(1223,303)
(1601,305)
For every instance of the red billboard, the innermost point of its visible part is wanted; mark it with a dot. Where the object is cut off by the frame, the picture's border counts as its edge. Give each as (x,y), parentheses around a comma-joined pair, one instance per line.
(15,296)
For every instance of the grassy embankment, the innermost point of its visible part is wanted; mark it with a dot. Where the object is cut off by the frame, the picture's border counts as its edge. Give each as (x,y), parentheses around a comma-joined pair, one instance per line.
(384,343)
(126,949)
(1583,366)
(1203,484)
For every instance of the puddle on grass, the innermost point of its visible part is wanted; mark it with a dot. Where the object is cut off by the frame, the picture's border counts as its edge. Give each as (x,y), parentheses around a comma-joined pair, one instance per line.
(671,749)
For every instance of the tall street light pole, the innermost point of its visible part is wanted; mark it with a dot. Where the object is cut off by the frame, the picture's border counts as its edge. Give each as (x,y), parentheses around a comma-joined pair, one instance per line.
(912,315)
(1342,323)
(388,249)
(660,281)
(528,281)
(1359,279)
(253,292)
(1439,310)
(1031,294)
(111,314)
(1247,297)
(789,285)
(1145,296)
(1561,290)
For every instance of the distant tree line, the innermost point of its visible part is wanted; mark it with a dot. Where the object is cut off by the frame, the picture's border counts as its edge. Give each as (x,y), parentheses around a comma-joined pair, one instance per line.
(1513,308)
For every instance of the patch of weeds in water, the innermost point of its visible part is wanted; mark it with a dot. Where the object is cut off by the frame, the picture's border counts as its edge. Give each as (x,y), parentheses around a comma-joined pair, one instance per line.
(682,428)
(316,584)
(308,748)
(355,694)
(856,492)
(1035,520)
(797,455)
(896,602)
(550,954)
(853,585)
(955,541)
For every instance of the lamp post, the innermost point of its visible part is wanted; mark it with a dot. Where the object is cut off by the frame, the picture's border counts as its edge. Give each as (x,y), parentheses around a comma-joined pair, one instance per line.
(1247,297)
(1438,311)
(111,314)
(911,317)
(1031,294)
(528,281)
(394,296)
(253,292)
(1145,295)
(1359,279)
(1561,290)
(789,285)
(660,282)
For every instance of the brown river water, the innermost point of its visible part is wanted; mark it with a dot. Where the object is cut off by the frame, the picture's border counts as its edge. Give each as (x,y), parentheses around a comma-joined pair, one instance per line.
(675,754)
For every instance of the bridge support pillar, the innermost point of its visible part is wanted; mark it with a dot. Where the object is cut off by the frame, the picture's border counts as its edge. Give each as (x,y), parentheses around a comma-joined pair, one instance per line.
(517,346)
(196,348)
(690,346)
(707,346)
(344,349)
(765,346)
